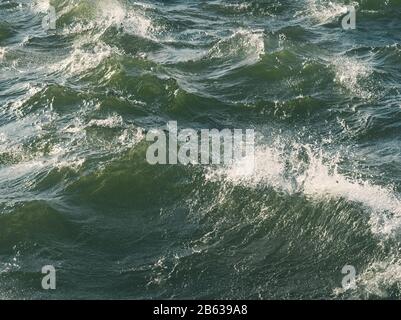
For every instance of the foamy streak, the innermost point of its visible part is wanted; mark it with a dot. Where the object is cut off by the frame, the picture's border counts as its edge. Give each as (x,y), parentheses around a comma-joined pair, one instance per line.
(317,180)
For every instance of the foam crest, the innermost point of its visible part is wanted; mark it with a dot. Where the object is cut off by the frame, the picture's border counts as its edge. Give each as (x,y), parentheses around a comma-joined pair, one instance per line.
(89,51)
(325,11)
(111,11)
(114,121)
(253,171)
(322,180)
(30,91)
(40,6)
(351,72)
(82,59)
(133,21)
(137,24)
(240,7)
(248,42)
(316,178)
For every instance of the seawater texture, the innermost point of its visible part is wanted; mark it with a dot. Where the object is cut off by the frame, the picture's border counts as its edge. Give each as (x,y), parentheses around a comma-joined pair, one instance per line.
(77,193)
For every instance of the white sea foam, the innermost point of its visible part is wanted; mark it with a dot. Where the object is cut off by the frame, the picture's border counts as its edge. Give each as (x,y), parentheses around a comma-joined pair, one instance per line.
(65,154)
(384,204)
(104,14)
(12,265)
(82,59)
(89,51)
(114,121)
(242,42)
(40,6)
(261,173)
(133,21)
(238,6)
(30,90)
(18,171)
(138,24)
(59,158)
(351,73)
(8,146)
(317,179)
(112,12)
(325,11)
(376,281)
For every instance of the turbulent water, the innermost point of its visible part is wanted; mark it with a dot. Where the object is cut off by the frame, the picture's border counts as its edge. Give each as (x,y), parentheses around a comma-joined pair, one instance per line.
(76,191)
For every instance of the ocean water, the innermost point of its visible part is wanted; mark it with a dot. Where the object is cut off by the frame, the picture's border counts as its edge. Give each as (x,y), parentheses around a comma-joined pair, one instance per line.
(77,193)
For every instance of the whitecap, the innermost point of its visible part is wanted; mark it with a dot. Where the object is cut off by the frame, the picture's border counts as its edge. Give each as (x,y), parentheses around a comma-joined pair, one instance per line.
(30,91)
(351,73)
(265,167)
(132,20)
(114,121)
(82,59)
(318,179)
(89,51)
(40,6)
(325,11)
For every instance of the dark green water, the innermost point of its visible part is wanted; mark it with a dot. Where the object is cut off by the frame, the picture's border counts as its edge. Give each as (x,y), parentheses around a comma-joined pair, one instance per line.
(77,193)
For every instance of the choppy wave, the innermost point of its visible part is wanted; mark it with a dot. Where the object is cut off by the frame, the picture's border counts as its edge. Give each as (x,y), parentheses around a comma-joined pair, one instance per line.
(326,11)
(353,74)
(325,191)
(251,42)
(314,178)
